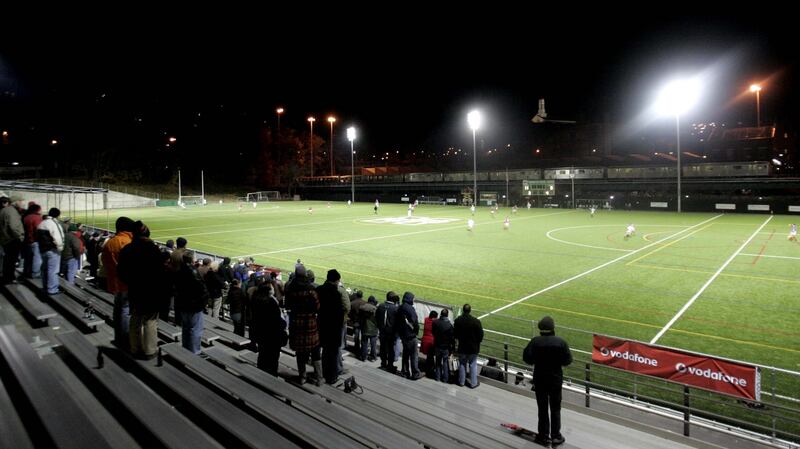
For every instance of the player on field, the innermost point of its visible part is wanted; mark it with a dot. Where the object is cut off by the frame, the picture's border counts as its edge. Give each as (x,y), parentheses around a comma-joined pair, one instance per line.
(592,210)
(410,210)
(348,203)
(377,205)
(793,232)
(506,224)
(630,231)
(529,205)
(470,224)
(472,209)
(254,204)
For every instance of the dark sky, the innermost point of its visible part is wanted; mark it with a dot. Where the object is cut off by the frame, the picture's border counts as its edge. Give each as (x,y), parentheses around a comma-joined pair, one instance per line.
(405,79)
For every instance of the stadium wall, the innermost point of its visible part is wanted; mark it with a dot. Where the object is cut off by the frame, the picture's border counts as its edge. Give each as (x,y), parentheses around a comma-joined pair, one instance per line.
(83,201)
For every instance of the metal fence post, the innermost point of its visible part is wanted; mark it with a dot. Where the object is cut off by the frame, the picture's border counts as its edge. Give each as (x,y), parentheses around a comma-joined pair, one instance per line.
(505,356)
(686,411)
(588,380)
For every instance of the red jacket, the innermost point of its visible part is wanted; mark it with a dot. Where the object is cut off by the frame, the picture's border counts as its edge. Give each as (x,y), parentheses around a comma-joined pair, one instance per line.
(427,336)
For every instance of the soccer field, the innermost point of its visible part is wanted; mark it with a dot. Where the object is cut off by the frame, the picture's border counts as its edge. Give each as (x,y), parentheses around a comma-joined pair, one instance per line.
(718,284)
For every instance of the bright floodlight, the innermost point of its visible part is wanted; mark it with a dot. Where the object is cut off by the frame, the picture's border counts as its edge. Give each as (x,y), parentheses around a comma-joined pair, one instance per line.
(678,97)
(755,88)
(474,120)
(311,119)
(351,134)
(279,110)
(331,119)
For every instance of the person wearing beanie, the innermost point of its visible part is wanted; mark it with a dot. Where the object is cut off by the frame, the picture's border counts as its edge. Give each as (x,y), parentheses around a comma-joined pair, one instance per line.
(548,353)
(406,325)
(385,316)
(356,301)
(468,331)
(369,329)
(333,307)
(50,238)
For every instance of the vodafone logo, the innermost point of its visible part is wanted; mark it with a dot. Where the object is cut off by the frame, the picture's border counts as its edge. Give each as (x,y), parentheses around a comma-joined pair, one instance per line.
(629,356)
(708,373)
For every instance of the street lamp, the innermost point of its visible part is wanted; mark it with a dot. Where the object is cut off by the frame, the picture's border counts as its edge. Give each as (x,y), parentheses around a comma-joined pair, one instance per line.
(279,111)
(676,98)
(332,120)
(474,120)
(757,89)
(311,121)
(351,136)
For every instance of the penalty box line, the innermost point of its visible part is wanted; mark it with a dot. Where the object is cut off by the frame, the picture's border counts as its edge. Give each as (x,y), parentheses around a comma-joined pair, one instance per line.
(708,282)
(599,267)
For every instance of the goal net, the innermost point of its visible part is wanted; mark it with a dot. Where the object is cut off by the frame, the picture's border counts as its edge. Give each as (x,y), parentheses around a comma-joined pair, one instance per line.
(265,195)
(586,203)
(192,200)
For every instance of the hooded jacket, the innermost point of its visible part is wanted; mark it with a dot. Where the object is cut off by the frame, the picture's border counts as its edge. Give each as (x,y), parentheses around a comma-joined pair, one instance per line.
(406,323)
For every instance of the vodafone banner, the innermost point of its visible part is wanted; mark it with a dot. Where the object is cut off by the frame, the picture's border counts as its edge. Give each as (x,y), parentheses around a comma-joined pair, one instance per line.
(691,369)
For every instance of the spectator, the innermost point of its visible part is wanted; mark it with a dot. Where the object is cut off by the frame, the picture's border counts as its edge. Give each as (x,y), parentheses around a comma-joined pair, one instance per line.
(406,326)
(302,304)
(191,298)
(268,328)
(169,247)
(214,285)
(355,305)
(71,254)
(93,249)
(469,333)
(142,266)
(385,316)
(491,370)
(176,257)
(369,329)
(443,342)
(332,314)
(110,256)
(235,306)
(426,347)
(548,353)
(12,233)
(50,238)
(519,378)
(32,258)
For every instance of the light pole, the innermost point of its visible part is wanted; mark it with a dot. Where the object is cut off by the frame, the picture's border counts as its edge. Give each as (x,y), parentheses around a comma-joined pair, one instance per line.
(675,98)
(332,120)
(572,181)
(757,89)
(351,136)
(474,120)
(311,121)
(279,111)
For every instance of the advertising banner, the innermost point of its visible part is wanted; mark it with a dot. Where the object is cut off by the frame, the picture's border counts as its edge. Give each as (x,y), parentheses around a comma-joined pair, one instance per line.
(695,370)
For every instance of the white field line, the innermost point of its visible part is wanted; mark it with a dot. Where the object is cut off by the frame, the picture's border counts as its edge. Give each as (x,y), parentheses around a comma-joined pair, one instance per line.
(581,244)
(764,255)
(708,282)
(323,245)
(577,276)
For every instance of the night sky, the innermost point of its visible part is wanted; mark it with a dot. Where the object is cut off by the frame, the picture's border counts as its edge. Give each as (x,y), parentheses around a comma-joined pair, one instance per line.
(406,80)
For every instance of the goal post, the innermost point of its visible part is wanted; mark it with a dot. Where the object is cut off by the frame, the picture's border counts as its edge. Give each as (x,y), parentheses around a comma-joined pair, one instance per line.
(191,200)
(264,196)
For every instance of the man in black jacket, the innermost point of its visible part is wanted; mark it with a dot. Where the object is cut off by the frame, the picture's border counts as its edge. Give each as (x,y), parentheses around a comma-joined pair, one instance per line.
(469,333)
(385,315)
(406,325)
(548,353)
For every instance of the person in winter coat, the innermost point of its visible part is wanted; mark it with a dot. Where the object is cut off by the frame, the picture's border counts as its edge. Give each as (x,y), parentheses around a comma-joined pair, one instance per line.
(443,342)
(469,333)
(426,347)
(268,328)
(332,313)
(406,325)
(235,302)
(384,316)
(369,329)
(302,304)
(548,353)
(191,298)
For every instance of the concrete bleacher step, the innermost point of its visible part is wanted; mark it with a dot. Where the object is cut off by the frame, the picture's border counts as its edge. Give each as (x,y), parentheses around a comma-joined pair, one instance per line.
(165,424)
(63,422)
(310,430)
(73,311)
(37,309)
(86,299)
(104,296)
(214,413)
(11,427)
(225,332)
(351,421)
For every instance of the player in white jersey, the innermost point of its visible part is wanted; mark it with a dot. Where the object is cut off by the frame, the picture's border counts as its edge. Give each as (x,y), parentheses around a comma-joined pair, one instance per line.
(348,203)
(410,210)
(506,224)
(472,209)
(182,205)
(592,210)
(630,231)
(529,205)
(254,204)
(470,224)
(793,232)
(514,210)
(377,205)
(416,203)
(310,210)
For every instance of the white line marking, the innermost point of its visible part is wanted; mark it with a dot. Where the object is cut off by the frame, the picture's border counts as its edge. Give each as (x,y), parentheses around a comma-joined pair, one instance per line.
(764,255)
(581,244)
(708,282)
(595,268)
(323,245)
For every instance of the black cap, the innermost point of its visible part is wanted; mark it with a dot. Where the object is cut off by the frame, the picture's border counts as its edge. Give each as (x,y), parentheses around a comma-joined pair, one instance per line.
(333,275)
(547,325)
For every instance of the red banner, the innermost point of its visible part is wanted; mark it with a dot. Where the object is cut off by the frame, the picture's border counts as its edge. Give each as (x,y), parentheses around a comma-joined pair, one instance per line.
(684,367)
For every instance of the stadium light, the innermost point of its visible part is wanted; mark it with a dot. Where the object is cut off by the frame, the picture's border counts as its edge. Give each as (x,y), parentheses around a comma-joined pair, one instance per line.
(757,89)
(311,121)
(351,136)
(676,98)
(332,120)
(474,120)
(279,111)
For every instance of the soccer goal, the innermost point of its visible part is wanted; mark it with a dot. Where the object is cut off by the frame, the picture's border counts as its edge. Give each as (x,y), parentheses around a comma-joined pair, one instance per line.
(192,200)
(265,196)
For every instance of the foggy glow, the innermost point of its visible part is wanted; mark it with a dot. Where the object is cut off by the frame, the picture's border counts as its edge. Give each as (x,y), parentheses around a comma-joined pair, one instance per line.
(678,96)
(474,120)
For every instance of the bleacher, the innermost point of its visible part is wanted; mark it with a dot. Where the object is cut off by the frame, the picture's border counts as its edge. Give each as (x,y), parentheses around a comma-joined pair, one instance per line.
(63,384)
